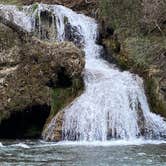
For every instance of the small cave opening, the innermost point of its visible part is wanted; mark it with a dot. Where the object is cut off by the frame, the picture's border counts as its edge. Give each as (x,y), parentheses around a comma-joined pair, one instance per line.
(25,124)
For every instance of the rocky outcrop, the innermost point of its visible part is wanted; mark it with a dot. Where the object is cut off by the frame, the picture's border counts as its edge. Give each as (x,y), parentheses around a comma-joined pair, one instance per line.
(82,6)
(53,132)
(30,69)
(133,32)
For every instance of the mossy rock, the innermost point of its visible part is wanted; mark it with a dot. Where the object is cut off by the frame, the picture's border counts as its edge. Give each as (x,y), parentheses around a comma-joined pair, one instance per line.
(146,57)
(61,97)
(157,104)
(11,2)
(34,71)
(142,42)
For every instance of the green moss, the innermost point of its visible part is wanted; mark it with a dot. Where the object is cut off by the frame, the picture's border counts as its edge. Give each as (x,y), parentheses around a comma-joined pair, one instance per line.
(61,97)
(121,15)
(143,51)
(11,2)
(35,6)
(156,104)
(65,20)
(137,53)
(142,55)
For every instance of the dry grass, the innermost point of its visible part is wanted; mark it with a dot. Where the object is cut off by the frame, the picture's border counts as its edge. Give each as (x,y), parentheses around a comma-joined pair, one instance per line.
(154,13)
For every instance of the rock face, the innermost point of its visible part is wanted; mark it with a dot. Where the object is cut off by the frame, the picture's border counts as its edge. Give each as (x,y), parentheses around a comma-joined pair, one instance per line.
(55,132)
(83,6)
(87,7)
(30,69)
(72,34)
(133,32)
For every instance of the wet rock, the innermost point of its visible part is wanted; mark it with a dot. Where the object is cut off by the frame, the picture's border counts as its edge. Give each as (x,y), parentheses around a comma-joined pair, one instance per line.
(45,28)
(62,97)
(82,6)
(53,132)
(72,34)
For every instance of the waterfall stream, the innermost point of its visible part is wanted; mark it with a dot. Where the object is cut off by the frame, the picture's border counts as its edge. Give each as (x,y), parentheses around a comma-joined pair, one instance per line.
(113,105)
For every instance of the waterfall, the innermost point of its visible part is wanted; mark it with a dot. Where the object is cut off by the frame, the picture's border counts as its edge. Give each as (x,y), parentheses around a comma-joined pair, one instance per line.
(113,105)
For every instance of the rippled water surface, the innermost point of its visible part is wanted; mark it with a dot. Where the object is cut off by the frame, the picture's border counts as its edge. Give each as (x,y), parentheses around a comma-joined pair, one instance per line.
(82,154)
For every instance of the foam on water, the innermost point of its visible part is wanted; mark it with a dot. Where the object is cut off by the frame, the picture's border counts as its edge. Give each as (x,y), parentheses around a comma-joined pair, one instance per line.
(136,142)
(22,145)
(113,104)
(44,144)
(1,145)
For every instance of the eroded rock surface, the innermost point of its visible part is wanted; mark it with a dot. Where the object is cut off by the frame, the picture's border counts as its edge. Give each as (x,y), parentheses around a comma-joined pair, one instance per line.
(53,132)
(88,7)
(28,70)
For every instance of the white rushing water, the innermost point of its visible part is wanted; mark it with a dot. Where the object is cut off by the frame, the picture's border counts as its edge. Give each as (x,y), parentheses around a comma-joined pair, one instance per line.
(113,104)
(18,17)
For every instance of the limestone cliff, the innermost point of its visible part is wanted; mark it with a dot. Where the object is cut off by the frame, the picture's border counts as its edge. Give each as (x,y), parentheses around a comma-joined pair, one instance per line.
(31,69)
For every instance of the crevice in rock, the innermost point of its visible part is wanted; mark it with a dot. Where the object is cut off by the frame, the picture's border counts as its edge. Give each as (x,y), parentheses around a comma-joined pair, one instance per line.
(25,124)
(63,79)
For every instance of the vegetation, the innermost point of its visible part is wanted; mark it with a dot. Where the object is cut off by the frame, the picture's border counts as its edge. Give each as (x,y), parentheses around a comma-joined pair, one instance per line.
(12,2)
(139,28)
(61,97)
(34,6)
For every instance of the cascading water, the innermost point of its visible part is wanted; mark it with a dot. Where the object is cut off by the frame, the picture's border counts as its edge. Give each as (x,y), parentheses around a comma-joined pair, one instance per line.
(113,104)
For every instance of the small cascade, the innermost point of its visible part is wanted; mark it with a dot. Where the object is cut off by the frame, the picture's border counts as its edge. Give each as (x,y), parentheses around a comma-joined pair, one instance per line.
(18,16)
(113,105)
